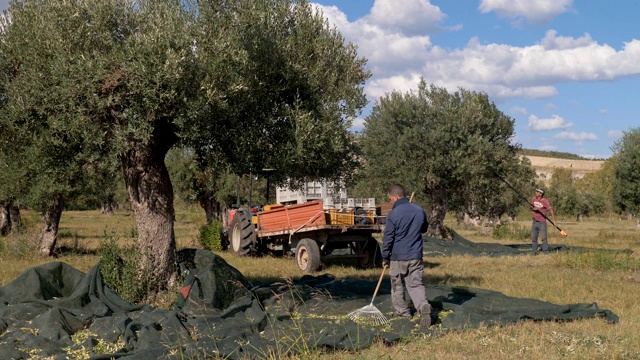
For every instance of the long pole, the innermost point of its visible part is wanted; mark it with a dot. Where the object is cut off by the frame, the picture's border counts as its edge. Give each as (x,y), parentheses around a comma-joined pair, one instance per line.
(562,232)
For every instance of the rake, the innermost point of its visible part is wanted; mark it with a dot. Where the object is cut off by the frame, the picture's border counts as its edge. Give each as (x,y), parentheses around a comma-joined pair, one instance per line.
(369,314)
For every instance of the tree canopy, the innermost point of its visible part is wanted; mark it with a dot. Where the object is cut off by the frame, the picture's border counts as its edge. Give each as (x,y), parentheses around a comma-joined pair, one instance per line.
(626,177)
(447,147)
(247,83)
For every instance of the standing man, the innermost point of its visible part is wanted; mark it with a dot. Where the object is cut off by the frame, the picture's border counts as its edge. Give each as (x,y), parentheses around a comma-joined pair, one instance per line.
(402,252)
(539,225)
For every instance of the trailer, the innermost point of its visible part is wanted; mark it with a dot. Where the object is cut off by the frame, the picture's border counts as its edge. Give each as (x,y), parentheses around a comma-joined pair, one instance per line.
(313,232)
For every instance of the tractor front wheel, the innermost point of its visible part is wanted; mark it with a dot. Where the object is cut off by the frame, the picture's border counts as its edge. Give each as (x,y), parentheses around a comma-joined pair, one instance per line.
(308,256)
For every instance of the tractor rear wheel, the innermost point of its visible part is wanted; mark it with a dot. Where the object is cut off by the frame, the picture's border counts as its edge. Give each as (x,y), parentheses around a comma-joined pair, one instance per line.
(369,254)
(308,256)
(242,234)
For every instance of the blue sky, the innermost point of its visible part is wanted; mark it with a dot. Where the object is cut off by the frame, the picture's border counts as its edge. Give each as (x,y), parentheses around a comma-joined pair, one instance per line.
(567,71)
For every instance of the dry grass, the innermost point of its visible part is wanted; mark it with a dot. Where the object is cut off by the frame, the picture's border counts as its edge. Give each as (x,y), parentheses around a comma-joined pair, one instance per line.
(612,282)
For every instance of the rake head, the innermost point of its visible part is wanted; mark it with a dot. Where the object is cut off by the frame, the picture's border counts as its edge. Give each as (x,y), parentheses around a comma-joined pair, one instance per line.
(368,315)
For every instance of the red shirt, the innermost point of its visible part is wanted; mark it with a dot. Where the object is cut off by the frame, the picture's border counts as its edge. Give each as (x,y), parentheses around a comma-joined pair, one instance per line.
(542,205)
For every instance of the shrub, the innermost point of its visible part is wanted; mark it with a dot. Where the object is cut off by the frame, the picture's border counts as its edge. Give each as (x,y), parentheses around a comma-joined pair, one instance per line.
(121,272)
(211,236)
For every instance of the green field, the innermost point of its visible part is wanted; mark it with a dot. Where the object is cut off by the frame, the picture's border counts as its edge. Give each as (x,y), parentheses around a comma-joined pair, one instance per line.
(612,280)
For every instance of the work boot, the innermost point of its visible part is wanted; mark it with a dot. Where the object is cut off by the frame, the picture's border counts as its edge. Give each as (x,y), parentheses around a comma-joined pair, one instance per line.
(425,317)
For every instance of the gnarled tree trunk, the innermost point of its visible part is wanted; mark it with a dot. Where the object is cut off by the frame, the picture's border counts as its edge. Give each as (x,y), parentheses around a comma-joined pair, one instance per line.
(49,235)
(5,223)
(14,217)
(212,208)
(435,216)
(151,194)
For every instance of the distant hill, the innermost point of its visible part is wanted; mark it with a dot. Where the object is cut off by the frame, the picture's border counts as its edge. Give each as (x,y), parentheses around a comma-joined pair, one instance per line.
(551,154)
(579,167)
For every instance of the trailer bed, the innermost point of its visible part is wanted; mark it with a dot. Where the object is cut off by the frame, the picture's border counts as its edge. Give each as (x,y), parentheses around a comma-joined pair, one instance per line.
(307,217)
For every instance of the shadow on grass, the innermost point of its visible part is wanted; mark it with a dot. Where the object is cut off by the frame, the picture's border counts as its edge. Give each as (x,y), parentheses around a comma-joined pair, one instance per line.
(70,250)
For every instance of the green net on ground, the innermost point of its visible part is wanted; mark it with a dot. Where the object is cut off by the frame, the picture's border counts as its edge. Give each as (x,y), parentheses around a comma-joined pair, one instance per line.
(54,310)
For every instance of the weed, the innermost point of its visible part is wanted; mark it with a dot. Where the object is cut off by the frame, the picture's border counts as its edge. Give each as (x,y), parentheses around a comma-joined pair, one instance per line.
(121,271)
(211,236)
(511,231)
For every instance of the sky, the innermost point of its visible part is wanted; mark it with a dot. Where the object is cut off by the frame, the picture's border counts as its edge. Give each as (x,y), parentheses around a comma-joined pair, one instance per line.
(566,71)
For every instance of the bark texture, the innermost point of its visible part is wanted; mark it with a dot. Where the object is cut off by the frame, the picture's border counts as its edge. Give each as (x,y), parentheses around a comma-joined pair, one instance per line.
(435,216)
(212,208)
(151,194)
(15,218)
(49,235)
(5,224)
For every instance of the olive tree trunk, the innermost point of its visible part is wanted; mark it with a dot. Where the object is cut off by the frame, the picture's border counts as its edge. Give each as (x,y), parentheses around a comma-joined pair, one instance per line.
(15,218)
(5,224)
(435,216)
(151,195)
(49,235)
(212,208)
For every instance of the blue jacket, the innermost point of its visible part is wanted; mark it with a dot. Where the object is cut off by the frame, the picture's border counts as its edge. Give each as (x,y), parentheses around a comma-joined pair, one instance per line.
(403,232)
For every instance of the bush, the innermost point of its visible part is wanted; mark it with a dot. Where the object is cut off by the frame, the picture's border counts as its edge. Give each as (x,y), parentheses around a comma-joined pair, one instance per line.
(211,236)
(121,272)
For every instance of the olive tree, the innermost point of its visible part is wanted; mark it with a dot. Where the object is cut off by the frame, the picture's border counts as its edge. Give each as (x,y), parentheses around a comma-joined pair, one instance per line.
(626,177)
(256,82)
(446,147)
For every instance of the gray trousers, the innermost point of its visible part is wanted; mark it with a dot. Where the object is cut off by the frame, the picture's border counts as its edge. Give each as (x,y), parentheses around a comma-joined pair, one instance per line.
(408,273)
(539,227)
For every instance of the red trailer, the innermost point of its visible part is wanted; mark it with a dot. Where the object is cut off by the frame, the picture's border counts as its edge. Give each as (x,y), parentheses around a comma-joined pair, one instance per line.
(310,231)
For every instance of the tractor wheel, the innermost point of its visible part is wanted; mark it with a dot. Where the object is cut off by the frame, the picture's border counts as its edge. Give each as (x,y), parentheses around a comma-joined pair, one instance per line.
(369,254)
(308,256)
(242,234)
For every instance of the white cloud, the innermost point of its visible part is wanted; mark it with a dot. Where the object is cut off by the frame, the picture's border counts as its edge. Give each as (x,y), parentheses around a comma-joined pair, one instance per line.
(614,134)
(503,71)
(553,42)
(548,147)
(538,11)
(411,17)
(554,123)
(519,110)
(357,124)
(583,136)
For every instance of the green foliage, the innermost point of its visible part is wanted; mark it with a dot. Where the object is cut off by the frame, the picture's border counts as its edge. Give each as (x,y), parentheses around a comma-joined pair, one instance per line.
(447,147)
(120,269)
(626,177)
(577,197)
(211,236)
(512,231)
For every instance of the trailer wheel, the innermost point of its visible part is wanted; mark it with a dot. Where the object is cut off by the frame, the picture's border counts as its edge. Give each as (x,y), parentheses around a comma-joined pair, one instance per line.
(242,234)
(308,255)
(369,254)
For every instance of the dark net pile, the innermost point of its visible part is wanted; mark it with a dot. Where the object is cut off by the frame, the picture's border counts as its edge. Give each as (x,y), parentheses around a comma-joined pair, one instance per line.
(58,312)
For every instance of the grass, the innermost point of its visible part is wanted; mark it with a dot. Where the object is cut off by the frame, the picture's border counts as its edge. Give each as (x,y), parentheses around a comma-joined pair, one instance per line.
(610,279)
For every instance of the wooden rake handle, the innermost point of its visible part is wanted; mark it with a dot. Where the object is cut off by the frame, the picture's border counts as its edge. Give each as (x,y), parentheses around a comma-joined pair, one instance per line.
(379,282)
